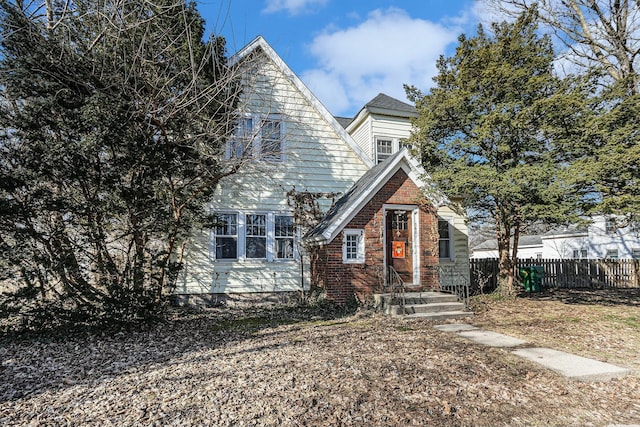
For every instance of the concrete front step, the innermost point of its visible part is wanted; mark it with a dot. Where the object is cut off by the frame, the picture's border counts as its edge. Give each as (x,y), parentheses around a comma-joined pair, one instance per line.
(442,315)
(384,300)
(434,307)
(429,305)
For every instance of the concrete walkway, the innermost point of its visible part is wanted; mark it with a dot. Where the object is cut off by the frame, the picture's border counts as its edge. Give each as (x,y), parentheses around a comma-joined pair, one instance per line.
(569,365)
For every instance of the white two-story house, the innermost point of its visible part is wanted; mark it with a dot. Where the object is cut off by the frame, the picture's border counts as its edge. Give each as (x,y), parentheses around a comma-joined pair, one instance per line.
(602,238)
(273,235)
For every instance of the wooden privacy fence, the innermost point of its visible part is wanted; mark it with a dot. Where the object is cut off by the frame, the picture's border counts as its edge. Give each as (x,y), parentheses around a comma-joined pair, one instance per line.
(562,273)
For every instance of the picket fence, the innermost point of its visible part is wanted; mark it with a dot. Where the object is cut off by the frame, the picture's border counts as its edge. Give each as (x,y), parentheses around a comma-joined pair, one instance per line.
(562,273)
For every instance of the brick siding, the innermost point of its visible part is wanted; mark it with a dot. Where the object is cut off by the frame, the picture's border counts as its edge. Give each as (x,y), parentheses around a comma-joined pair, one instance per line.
(342,281)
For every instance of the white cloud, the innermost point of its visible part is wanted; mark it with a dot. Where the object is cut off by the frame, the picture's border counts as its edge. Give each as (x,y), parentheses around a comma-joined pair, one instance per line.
(380,54)
(293,7)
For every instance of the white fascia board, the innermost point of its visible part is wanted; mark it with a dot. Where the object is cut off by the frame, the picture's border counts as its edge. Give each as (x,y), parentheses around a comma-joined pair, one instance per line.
(310,97)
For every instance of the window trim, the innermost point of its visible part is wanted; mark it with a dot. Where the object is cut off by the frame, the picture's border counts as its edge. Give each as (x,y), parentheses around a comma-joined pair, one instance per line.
(213,246)
(396,145)
(241,236)
(360,245)
(265,236)
(293,238)
(449,221)
(256,138)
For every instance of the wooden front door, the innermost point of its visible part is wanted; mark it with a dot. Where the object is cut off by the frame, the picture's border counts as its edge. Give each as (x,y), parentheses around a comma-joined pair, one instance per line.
(399,243)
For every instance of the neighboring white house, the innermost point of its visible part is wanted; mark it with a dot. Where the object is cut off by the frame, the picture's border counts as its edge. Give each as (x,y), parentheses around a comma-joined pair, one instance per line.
(601,239)
(289,144)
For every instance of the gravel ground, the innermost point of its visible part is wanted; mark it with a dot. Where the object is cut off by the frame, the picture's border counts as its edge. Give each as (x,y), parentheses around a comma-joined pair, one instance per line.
(291,367)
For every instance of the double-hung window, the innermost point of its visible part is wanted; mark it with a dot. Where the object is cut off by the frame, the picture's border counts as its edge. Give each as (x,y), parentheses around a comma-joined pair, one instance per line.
(259,138)
(271,141)
(284,237)
(353,246)
(444,239)
(226,236)
(256,236)
(384,149)
(241,145)
(250,236)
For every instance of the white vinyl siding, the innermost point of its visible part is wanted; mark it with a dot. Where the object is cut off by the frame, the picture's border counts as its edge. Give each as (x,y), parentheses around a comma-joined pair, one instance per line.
(459,246)
(315,158)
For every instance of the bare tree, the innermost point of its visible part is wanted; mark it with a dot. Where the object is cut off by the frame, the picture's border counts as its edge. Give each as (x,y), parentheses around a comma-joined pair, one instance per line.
(604,33)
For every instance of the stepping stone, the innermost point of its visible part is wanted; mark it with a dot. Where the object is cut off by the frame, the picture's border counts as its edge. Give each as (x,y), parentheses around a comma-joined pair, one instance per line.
(572,366)
(492,339)
(455,327)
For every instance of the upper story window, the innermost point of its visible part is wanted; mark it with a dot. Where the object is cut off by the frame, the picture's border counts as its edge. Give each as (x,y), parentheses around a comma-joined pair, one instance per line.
(610,226)
(386,146)
(635,253)
(444,240)
(271,143)
(241,145)
(384,149)
(258,138)
(612,254)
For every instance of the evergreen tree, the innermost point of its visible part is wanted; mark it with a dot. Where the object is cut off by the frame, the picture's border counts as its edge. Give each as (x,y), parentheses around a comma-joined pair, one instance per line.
(114,115)
(493,129)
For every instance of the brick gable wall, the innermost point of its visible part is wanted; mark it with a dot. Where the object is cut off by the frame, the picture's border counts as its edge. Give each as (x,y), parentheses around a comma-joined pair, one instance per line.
(342,281)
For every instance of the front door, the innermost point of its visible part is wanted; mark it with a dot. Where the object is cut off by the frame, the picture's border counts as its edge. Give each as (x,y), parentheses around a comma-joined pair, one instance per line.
(399,243)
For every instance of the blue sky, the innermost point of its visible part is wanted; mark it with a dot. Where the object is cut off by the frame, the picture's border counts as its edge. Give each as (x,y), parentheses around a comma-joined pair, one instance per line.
(348,51)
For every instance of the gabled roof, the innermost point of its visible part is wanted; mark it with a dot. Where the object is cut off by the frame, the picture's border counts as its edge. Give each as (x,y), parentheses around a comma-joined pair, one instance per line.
(385,104)
(261,43)
(364,189)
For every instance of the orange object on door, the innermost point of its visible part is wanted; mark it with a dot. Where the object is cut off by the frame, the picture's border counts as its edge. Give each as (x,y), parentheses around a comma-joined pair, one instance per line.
(398,249)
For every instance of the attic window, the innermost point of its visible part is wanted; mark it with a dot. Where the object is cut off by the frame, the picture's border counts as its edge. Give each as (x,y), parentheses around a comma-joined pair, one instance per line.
(258,138)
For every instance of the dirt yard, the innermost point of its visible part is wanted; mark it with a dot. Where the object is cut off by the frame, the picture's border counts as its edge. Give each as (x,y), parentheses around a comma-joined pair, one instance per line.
(295,367)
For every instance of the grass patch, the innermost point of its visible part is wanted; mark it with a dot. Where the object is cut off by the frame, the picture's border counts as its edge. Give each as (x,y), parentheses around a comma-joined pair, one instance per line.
(631,321)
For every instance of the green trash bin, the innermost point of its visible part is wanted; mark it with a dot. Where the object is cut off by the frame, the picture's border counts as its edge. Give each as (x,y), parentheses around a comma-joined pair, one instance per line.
(537,276)
(526,276)
(532,278)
